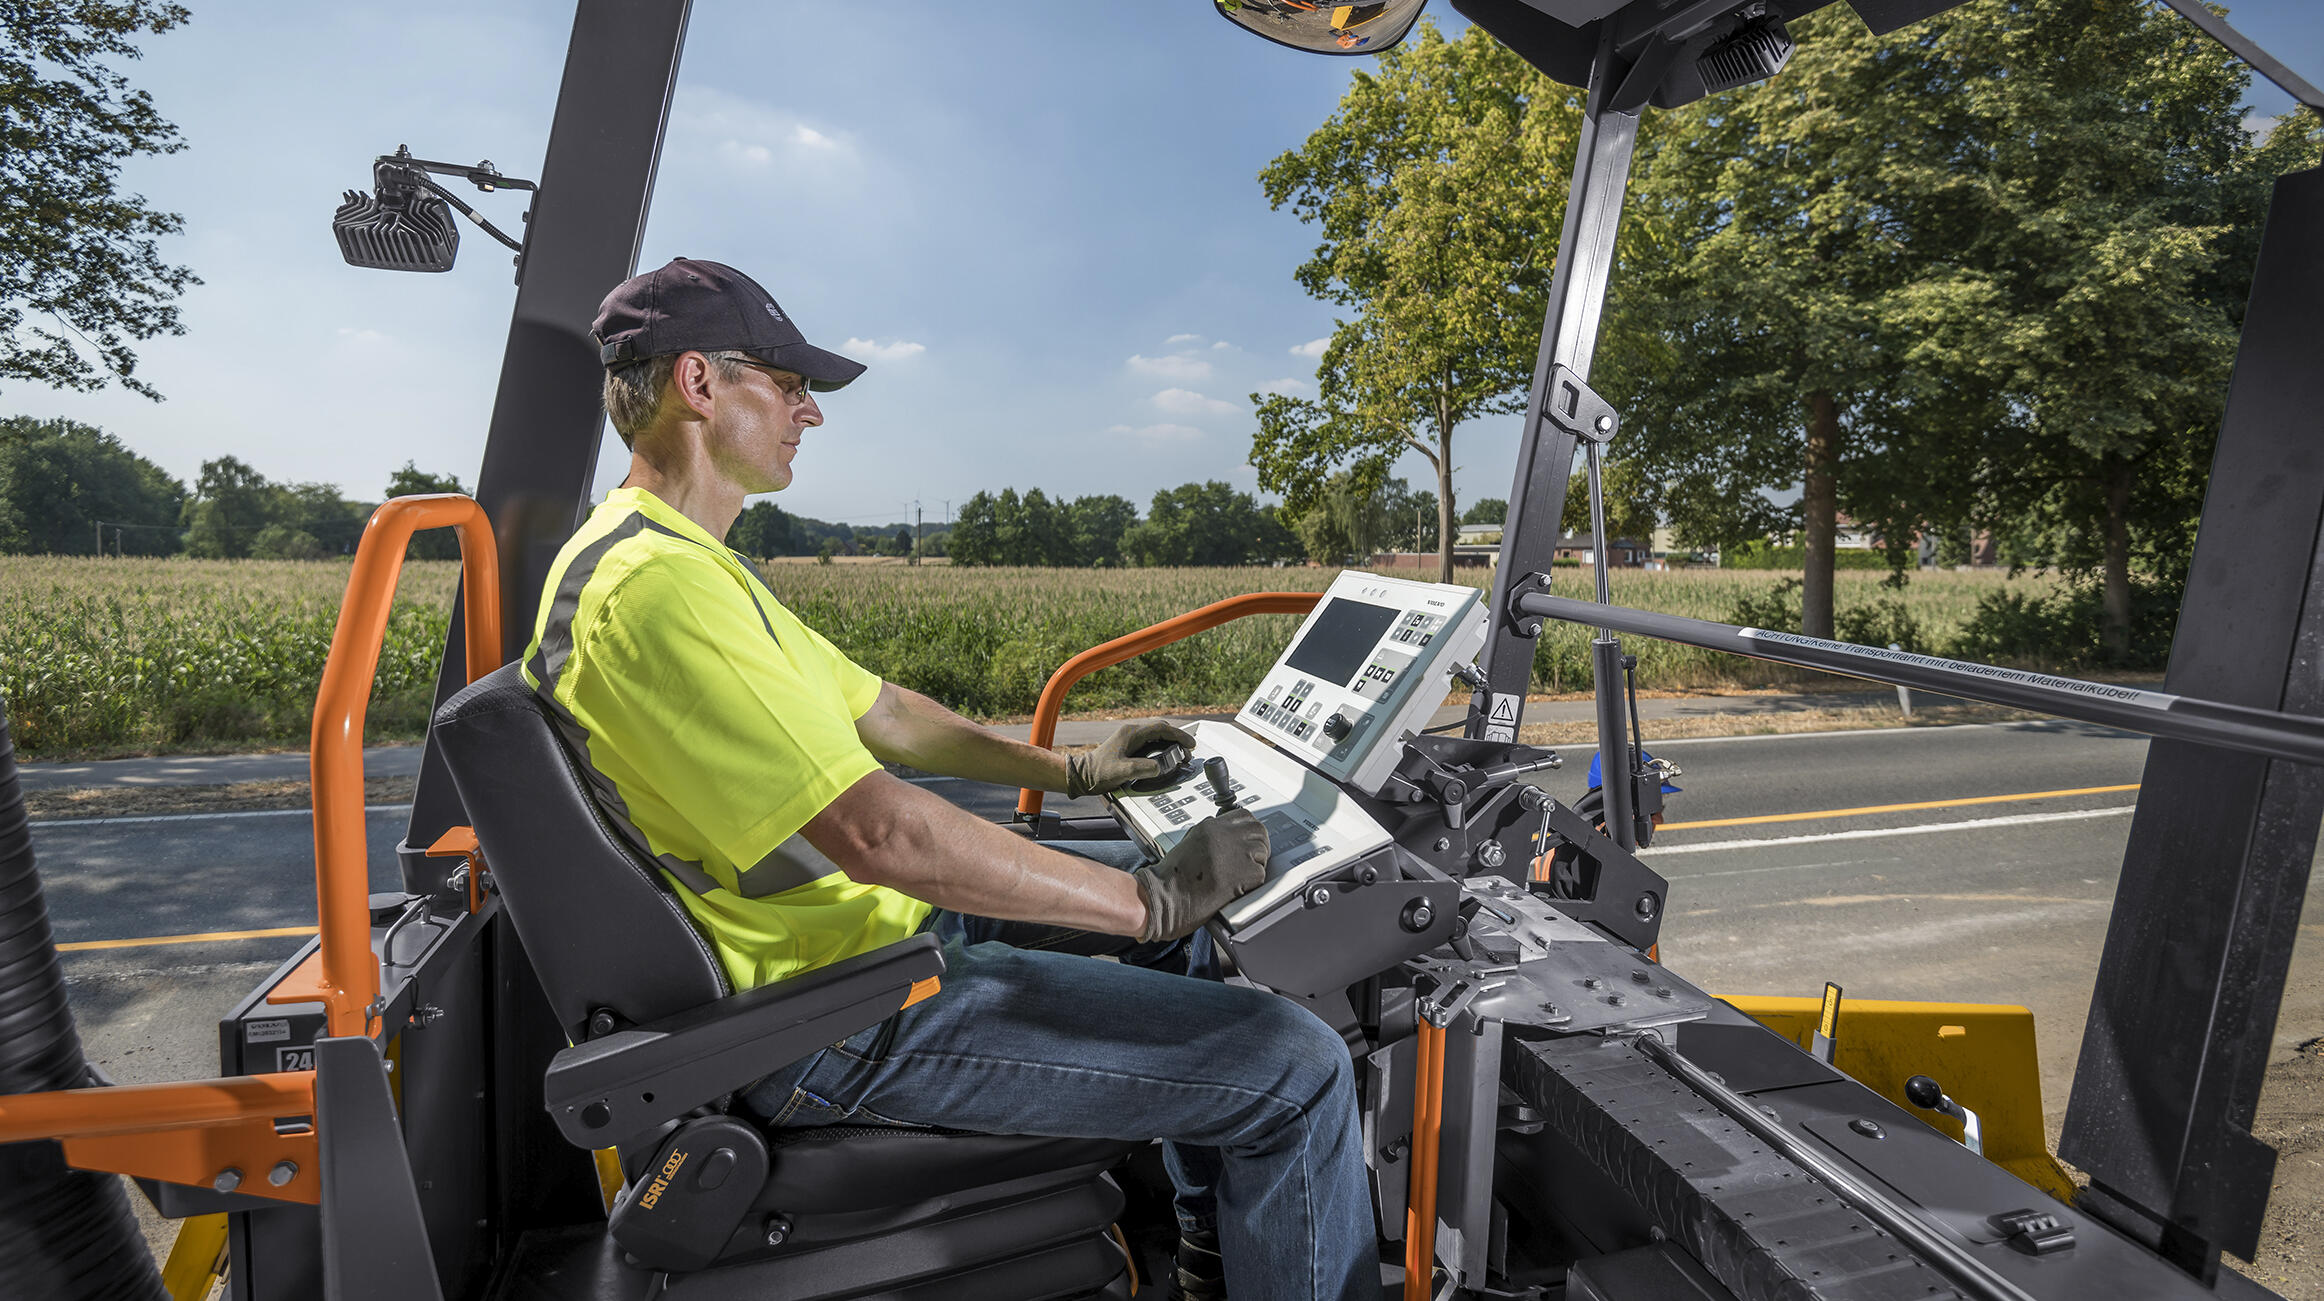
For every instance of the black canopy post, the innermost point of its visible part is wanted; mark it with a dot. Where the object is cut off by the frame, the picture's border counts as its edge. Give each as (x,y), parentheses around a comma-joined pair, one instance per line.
(587,221)
(2217,867)
(1569,338)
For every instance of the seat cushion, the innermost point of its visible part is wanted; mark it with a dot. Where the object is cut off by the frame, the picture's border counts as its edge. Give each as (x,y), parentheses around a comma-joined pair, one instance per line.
(836,1169)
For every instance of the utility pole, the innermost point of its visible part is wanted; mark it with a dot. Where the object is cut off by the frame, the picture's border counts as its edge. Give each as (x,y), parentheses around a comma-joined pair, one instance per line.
(915,530)
(100,540)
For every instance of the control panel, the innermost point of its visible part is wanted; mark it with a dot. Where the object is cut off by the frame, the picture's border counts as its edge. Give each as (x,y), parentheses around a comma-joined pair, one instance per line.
(1313,828)
(1371,663)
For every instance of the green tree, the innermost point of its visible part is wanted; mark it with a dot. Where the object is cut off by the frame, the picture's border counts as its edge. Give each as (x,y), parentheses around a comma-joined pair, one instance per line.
(427,544)
(1628,512)
(762,531)
(59,479)
(2123,252)
(976,529)
(1205,524)
(283,542)
(1041,534)
(1098,523)
(231,503)
(1951,277)
(1347,521)
(1438,185)
(317,510)
(1486,510)
(80,278)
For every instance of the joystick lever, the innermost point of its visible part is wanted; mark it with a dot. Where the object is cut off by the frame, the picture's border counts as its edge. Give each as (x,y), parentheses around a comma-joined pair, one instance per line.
(1928,1095)
(1214,771)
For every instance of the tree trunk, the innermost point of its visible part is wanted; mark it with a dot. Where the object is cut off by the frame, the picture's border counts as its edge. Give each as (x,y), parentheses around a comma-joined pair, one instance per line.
(1819,510)
(1444,521)
(2117,629)
(1445,530)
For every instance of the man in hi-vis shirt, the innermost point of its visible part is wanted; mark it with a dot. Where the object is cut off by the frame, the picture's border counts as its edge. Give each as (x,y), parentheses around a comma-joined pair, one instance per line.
(742,752)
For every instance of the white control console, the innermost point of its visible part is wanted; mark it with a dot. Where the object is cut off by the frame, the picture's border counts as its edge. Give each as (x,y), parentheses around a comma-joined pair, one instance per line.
(1312,827)
(1371,663)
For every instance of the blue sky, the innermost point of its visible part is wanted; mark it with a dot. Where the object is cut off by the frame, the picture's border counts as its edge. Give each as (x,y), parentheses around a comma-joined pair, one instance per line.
(1047,239)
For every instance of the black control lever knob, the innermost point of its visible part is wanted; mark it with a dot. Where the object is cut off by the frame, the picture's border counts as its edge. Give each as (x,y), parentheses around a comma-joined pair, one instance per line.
(1214,770)
(1923,1092)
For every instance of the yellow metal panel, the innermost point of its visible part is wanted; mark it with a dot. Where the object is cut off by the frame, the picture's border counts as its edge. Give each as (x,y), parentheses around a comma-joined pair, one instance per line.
(196,1259)
(608,1161)
(1982,1053)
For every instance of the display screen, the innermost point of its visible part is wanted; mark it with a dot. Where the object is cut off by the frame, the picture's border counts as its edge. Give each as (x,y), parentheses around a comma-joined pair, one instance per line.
(1341,637)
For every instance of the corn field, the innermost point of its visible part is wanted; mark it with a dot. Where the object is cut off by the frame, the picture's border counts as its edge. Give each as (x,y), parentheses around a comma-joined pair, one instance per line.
(152,656)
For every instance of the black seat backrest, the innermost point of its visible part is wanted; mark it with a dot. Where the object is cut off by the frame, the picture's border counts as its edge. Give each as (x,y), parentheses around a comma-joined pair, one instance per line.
(603,927)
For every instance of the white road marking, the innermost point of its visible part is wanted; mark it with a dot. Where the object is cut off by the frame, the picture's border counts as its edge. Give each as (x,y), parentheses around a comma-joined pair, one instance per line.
(1873,833)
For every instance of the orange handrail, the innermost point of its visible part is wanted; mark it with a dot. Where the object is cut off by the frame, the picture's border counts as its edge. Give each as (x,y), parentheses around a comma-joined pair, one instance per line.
(1420,1199)
(146,1108)
(187,1131)
(1138,643)
(347,976)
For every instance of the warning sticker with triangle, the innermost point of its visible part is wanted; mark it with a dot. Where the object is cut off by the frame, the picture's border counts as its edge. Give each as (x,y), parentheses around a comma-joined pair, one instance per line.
(1505,709)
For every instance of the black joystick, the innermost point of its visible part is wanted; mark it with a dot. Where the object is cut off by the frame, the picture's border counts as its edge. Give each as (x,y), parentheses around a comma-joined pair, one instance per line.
(1214,770)
(1923,1092)
(1175,764)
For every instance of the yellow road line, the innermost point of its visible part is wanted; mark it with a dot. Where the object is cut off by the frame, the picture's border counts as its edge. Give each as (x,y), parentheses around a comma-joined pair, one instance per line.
(1897,808)
(204,937)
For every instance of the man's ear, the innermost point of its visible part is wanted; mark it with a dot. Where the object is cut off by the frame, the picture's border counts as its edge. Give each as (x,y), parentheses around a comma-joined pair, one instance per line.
(690,384)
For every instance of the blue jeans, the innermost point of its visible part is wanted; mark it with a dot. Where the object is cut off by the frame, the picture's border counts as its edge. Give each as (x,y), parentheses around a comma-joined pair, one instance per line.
(1253,1096)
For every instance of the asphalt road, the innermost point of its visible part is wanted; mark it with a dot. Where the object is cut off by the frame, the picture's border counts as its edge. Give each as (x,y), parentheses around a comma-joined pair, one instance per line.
(1805,873)
(2004,901)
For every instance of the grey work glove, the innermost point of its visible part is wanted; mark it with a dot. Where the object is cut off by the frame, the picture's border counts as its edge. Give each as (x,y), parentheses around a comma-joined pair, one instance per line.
(1219,859)
(1114,764)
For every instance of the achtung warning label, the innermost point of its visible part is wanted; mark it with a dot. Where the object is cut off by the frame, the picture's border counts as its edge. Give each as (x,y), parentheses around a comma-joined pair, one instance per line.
(1504,709)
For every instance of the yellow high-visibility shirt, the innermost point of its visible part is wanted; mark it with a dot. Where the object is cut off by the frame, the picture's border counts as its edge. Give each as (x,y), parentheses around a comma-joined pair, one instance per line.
(713,724)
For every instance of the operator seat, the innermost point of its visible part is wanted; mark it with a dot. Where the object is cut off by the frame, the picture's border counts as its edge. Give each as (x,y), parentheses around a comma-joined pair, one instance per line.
(662,1045)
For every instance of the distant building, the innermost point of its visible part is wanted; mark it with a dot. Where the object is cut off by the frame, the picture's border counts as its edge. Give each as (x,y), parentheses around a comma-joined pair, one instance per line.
(1463,558)
(1621,553)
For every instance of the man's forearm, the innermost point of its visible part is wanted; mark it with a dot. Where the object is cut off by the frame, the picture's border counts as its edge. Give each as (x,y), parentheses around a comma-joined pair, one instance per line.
(908,728)
(885,831)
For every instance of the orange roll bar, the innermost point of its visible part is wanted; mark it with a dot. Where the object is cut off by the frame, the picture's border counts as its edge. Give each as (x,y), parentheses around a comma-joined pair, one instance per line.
(1138,643)
(147,1108)
(1427,1131)
(347,975)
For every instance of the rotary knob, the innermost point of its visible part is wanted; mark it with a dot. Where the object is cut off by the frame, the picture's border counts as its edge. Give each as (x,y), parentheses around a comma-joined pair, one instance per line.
(1337,727)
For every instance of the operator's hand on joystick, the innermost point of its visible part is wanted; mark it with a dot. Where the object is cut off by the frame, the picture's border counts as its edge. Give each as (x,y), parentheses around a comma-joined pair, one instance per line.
(1117,762)
(1219,859)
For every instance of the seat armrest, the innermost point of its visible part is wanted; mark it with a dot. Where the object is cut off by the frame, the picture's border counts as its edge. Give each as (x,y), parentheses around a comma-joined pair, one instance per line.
(610,1088)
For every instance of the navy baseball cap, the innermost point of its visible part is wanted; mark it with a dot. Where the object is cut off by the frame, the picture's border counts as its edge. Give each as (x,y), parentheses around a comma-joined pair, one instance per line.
(697,306)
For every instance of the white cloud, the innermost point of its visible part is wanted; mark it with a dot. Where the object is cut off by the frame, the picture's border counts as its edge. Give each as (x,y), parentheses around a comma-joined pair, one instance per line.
(1220,346)
(748,135)
(1174,367)
(359,335)
(1156,433)
(1312,348)
(900,350)
(1289,386)
(1187,402)
(1176,339)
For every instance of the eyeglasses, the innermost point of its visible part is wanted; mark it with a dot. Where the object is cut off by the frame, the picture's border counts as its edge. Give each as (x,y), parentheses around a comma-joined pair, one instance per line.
(793,386)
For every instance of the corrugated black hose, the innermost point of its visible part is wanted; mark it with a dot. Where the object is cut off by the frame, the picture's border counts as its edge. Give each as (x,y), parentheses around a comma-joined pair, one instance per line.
(64,1234)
